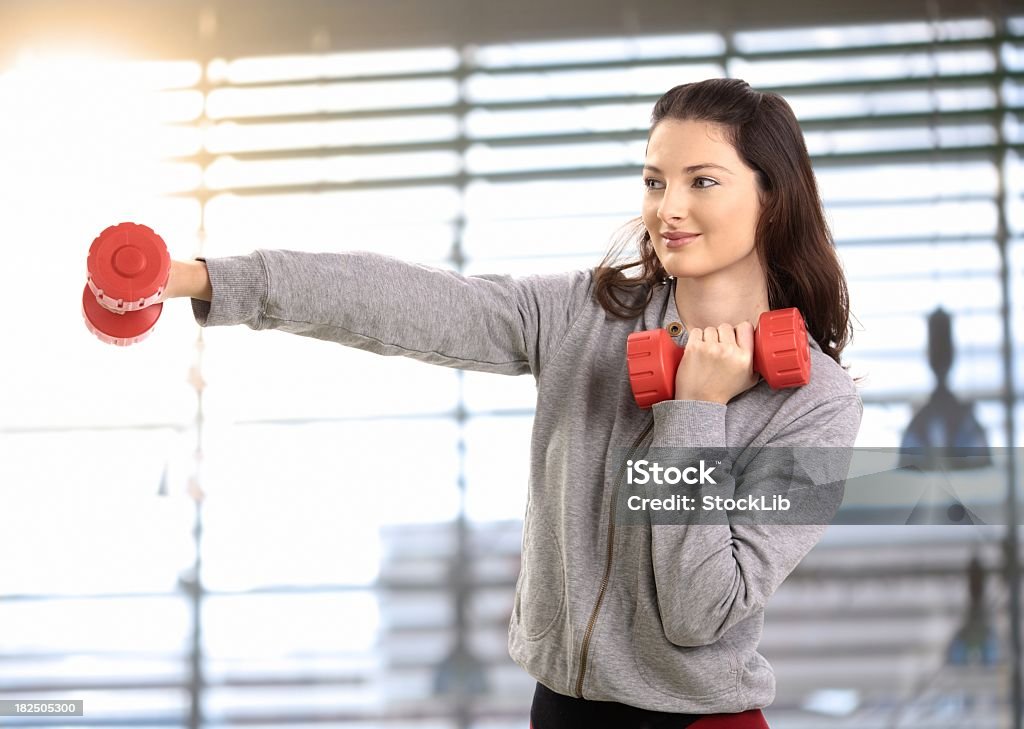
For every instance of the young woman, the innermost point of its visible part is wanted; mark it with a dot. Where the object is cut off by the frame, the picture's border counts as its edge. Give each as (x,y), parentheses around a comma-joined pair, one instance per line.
(631,627)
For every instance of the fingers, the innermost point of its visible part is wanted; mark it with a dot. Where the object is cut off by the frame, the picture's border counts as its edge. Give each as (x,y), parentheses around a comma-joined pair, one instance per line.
(745,335)
(707,334)
(724,334)
(742,334)
(736,341)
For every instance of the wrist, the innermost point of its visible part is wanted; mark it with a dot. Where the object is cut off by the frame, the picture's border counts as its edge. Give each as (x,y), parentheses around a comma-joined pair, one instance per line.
(701,398)
(189,279)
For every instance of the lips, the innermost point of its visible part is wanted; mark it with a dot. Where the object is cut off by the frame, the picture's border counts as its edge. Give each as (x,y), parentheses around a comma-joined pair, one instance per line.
(675,234)
(677,240)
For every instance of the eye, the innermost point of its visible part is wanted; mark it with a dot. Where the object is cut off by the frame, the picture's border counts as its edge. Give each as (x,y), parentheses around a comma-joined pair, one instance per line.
(701,183)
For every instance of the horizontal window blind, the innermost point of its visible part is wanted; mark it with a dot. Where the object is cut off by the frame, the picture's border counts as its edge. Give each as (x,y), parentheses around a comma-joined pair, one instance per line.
(331,515)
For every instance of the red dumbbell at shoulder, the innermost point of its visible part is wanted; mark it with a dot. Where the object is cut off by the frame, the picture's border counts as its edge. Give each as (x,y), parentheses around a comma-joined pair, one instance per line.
(128,268)
(781,356)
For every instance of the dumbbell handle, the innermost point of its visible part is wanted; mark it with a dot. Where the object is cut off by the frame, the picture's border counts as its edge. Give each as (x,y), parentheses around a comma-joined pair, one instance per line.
(781,357)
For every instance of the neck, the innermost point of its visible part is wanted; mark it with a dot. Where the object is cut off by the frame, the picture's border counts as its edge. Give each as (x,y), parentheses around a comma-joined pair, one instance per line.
(729,296)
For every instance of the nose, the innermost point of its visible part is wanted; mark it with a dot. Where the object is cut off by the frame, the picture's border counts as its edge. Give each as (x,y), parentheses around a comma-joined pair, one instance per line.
(675,204)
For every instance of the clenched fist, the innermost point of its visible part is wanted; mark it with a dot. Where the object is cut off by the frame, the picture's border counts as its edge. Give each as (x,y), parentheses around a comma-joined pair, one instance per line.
(718,364)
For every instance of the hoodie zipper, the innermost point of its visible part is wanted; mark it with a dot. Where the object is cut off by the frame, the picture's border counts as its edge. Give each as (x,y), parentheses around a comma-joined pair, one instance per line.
(608,564)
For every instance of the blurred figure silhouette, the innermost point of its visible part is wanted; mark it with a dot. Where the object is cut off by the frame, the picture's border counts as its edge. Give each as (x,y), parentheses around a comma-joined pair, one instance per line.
(944,434)
(945,426)
(975,640)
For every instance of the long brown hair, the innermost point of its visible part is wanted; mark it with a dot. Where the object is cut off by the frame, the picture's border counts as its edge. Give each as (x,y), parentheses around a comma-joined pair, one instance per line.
(792,237)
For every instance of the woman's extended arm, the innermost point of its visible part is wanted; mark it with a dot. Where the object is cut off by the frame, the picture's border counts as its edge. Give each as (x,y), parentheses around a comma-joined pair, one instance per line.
(489,323)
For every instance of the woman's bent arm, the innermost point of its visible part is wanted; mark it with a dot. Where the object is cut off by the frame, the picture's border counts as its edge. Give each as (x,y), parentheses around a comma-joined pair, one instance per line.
(712,575)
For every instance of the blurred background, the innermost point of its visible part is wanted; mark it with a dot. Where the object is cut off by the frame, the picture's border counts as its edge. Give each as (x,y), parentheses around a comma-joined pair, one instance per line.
(213,528)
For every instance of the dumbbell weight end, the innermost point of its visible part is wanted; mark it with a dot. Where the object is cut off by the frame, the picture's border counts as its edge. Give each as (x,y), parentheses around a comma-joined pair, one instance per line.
(114,327)
(128,271)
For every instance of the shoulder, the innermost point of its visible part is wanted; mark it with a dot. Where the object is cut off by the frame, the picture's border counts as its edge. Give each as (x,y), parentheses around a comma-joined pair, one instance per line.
(556,295)
(829,403)
(828,378)
(560,285)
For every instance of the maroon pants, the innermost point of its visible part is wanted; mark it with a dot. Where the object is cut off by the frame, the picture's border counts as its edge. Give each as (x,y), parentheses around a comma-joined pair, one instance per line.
(752,719)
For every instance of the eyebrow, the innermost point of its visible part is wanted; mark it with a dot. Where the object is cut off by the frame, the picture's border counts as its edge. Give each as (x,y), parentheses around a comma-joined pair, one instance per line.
(692,168)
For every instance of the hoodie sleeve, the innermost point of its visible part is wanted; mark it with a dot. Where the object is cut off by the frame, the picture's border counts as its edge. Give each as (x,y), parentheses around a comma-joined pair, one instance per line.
(711,575)
(488,323)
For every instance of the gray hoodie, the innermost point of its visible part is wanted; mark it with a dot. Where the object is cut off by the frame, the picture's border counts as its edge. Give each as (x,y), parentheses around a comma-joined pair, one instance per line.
(666,617)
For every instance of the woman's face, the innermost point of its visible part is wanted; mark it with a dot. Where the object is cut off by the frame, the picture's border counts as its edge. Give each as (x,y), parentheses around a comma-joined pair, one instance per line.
(696,183)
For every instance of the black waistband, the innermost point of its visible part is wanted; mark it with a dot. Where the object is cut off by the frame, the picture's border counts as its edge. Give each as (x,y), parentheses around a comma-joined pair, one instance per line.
(552,710)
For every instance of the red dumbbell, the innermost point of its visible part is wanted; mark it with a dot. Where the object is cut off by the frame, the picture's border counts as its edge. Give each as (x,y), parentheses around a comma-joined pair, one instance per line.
(128,268)
(781,356)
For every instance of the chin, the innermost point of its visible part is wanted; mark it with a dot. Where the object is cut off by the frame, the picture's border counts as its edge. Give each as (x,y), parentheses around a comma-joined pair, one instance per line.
(675,266)
(681,273)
